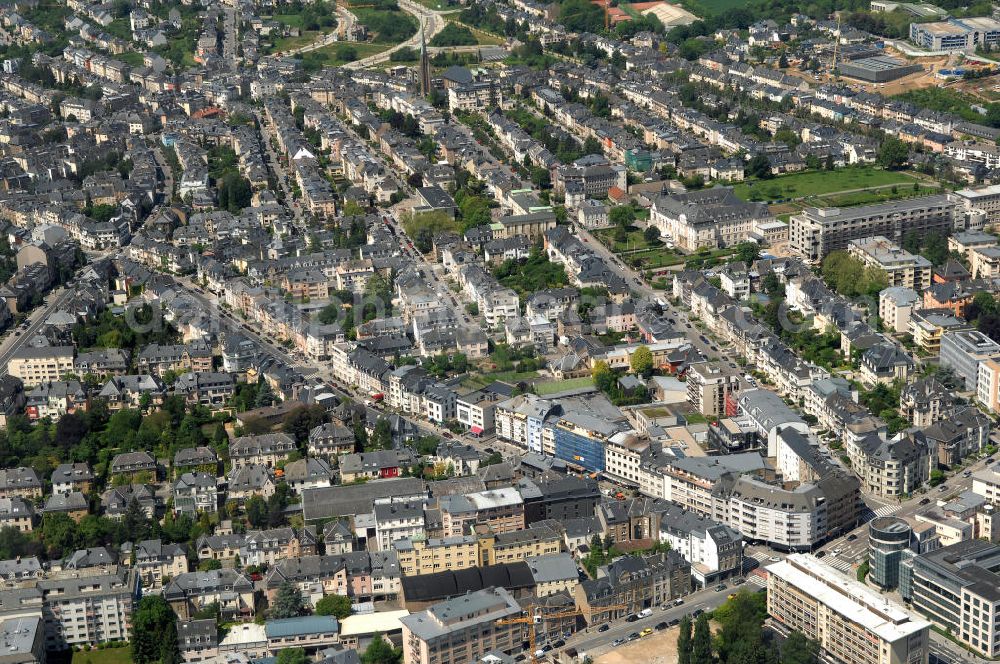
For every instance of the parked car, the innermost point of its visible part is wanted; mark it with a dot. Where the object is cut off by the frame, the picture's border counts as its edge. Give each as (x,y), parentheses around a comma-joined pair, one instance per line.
(633,636)
(603,628)
(661,626)
(617,642)
(719,588)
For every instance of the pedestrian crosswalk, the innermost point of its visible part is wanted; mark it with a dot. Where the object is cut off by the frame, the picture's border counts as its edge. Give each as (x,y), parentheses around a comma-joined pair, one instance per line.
(760,556)
(838,564)
(755,580)
(886,510)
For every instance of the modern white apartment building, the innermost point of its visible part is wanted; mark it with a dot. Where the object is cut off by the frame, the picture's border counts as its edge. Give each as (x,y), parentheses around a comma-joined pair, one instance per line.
(88,609)
(895,304)
(986,483)
(851,622)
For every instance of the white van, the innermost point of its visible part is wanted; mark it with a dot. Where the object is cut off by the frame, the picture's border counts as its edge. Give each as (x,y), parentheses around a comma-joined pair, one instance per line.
(645,613)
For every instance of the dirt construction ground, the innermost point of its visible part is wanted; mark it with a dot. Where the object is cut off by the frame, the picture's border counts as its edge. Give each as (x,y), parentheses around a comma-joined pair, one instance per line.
(657,648)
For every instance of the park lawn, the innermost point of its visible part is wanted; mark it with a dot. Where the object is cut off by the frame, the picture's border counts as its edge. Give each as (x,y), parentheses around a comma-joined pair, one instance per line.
(328,54)
(703,7)
(871,196)
(484,38)
(556,386)
(656,258)
(106,656)
(817,183)
(291,20)
(283,44)
(439,5)
(132,58)
(635,240)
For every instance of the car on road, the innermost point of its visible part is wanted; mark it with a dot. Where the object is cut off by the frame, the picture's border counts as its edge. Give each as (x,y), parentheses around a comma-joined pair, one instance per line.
(558,644)
(852,537)
(678,602)
(719,588)
(967,473)
(617,642)
(924,501)
(943,487)
(633,636)
(646,632)
(632,618)
(697,612)
(674,621)
(820,554)
(603,628)
(660,626)
(775,559)
(645,613)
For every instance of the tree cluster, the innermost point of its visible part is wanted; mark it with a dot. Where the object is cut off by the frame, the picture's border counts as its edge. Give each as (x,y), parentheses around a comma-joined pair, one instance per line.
(850,277)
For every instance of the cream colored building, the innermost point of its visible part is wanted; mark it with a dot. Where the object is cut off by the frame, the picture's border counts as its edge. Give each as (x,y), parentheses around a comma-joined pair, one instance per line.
(436,554)
(851,622)
(900,267)
(35,366)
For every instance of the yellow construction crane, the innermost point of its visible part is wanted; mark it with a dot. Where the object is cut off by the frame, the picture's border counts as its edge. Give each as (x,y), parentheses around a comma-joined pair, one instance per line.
(534,616)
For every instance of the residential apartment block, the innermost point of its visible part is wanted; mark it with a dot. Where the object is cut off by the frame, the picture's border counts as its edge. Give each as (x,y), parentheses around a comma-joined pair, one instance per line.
(462,629)
(900,267)
(815,232)
(851,622)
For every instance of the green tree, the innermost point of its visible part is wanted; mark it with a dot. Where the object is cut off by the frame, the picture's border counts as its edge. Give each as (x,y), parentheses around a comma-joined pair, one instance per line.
(748,252)
(893,153)
(292,656)
(265,397)
(642,361)
(381,437)
(798,649)
(760,167)
(152,619)
(603,377)
(651,234)
(58,534)
(169,650)
(302,420)
(622,215)
(334,605)
(288,603)
(380,651)
(701,644)
(684,641)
